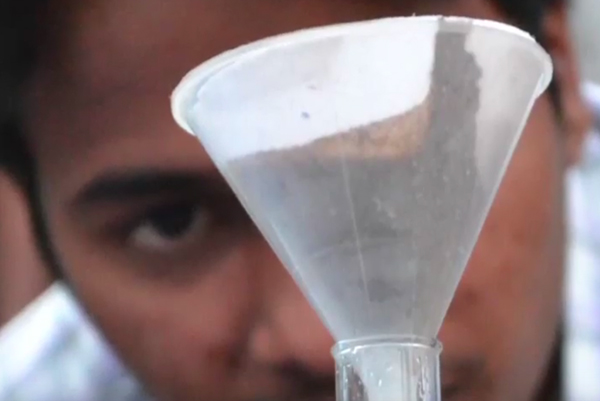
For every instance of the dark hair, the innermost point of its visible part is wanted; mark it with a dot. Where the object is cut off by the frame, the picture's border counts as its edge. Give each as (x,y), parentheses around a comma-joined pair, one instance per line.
(18,20)
(20,24)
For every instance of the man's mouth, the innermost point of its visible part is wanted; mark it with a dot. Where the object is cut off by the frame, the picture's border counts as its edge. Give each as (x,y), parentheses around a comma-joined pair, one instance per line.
(451,391)
(458,376)
(296,397)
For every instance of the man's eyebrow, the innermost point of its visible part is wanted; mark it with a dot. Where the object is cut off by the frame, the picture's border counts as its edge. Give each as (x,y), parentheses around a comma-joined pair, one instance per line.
(138,184)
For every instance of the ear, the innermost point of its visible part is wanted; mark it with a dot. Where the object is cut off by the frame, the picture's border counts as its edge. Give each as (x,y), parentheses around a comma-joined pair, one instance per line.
(577,119)
(23,276)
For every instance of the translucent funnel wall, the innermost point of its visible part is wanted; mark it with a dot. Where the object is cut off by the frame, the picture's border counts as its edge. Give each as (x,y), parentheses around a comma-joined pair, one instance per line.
(368,155)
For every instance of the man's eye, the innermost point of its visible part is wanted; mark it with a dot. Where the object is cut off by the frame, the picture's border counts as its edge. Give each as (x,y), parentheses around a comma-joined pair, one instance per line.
(171,227)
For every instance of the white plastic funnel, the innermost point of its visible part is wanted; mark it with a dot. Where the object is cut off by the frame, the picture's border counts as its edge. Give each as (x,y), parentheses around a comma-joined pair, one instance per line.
(368,155)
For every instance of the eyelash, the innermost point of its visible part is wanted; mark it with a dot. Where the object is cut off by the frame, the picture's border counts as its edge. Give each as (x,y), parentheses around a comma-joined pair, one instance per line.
(162,205)
(218,224)
(220,215)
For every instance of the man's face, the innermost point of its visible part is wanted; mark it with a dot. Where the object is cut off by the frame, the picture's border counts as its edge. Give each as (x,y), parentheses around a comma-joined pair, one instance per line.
(174,272)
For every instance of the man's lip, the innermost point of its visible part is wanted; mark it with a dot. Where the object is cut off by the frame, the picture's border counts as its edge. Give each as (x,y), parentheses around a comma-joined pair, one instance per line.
(322,398)
(459,375)
(451,390)
(448,392)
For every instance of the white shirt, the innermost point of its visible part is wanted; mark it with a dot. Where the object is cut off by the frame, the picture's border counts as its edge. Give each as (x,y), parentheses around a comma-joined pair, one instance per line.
(52,353)
(582,343)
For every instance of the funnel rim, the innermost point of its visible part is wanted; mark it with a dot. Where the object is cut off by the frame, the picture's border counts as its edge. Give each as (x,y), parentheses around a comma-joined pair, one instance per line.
(411,341)
(185,91)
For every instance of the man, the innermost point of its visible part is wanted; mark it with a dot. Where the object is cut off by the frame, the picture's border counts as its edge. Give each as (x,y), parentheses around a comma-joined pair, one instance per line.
(131,215)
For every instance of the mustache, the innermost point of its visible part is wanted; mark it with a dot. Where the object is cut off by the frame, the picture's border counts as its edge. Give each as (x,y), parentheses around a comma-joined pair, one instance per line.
(460,375)
(300,383)
(457,376)
(307,383)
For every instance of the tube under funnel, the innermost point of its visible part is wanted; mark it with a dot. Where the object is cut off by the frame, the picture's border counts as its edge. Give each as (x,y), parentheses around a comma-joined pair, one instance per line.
(391,369)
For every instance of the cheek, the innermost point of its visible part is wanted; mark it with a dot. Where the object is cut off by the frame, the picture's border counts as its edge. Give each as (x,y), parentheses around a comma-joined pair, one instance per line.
(509,298)
(182,338)
(294,326)
(519,236)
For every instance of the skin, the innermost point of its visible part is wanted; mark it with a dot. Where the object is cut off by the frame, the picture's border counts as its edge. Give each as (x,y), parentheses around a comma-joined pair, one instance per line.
(211,314)
(22,273)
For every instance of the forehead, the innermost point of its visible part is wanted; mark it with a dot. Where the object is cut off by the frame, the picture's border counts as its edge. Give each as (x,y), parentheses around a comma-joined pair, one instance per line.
(103,46)
(101,92)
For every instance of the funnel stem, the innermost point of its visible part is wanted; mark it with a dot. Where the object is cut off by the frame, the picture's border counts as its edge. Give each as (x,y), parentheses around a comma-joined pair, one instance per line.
(397,369)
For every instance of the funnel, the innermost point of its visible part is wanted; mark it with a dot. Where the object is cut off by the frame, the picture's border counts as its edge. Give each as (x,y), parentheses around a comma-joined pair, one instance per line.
(368,154)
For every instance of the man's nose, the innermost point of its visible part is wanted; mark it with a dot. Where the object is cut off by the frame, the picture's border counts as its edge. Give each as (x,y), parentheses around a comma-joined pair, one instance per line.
(288,331)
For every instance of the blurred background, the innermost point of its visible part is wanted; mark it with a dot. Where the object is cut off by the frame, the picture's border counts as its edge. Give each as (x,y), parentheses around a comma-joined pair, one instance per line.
(584,17)
(582,343)
(23,280)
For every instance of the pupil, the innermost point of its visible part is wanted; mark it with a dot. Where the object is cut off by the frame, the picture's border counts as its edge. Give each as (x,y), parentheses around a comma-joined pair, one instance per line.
(173,221)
